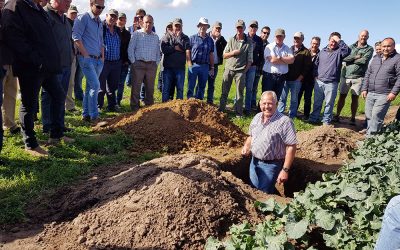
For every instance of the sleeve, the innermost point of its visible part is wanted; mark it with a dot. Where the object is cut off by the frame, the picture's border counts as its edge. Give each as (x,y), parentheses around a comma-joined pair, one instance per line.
(365,83)
(166,47)
(316,64)
(366,57)
(251,126)
(78,28)
(288,132)
(186,43)
(307,63)
(267,52)
(228,47)
(344,49)
(211,44)
(158,55)
(250,53)
(396,88)
(289,51)
(131,48)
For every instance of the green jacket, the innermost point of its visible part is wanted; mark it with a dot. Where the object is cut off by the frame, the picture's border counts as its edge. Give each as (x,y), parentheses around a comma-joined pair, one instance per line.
(239,62)
(356,68)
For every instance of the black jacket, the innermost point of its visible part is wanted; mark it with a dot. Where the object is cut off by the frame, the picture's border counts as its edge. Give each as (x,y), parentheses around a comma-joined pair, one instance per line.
(125,36)
(173,58)
(26,31)
(220,44)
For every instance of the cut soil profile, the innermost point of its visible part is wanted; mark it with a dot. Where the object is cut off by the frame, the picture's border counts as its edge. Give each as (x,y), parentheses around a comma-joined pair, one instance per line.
(176,201)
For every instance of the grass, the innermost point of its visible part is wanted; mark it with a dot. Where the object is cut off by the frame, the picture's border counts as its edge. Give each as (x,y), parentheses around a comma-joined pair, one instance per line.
(23,177)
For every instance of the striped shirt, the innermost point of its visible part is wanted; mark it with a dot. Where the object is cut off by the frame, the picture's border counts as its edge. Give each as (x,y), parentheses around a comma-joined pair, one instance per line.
(113,45)
(144,47)
(201,49)
(269,140)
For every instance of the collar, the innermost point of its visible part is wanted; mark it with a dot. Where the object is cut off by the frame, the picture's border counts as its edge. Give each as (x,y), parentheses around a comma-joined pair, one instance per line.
(244,37)
(198,34)
(142,31)
(301,48)
(356,45)
(97,19)
(272,118)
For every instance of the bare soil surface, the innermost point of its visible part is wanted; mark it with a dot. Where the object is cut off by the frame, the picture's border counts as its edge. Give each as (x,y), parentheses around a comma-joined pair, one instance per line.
(173,202)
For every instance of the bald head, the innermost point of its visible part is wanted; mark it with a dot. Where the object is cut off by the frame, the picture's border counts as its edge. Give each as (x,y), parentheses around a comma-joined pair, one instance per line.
(363,38)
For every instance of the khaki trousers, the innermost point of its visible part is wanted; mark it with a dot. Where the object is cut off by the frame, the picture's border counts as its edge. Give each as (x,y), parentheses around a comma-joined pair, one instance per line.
(10,90)
(69,101)
(143,72)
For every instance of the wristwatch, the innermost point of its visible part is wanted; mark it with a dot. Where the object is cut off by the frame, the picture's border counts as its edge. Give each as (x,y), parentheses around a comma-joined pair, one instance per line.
(286,169)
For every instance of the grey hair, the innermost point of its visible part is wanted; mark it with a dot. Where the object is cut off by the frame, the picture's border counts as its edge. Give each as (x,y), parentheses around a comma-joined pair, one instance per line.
(269,93)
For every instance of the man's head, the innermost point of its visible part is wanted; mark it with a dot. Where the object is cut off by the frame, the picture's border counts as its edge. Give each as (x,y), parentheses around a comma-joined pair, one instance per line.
(121,22)
(279,36)
(140,13)
(334,39)
(177,25)
(363,37)
(315,43)
(2,2)
(268,103)
(253,27)
(97,6)
(298,39)
(148,23)
(378,48)
(72,12)
(61,6)
(111,17)
(168,28)
(265,31)
(203,25)
(240,27)
(388,46)
(216,29)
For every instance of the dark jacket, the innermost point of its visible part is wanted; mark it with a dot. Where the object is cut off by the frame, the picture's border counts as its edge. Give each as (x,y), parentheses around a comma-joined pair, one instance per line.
(309,77)
(220,44)
(26,30)
(258,52)
(328,64)
(125,36)
(173,58)
(383,77)
(301,65)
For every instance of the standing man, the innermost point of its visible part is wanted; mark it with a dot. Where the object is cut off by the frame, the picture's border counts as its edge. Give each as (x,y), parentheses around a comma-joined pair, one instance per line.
(327,74)
(201,60)
(381,85)
(378,49)
(356,64)
(307,85)
(70,102)
(175,47)
(295,76)
(27,32)
(264,35)
(277,57)
(62,30)
(144,54)
(219,46)
(272,143)
(87,34)
(125,38)
(109,77)
(239,55)
(258,55)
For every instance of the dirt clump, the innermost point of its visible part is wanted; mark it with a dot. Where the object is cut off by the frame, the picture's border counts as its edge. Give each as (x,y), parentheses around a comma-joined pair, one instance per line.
(178,126)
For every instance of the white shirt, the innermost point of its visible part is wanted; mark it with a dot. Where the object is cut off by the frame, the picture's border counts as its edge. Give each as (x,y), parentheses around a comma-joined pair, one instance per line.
(273,50)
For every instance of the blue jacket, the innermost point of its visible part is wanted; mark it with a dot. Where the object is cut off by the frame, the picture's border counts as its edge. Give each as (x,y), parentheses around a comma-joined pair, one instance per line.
(329,63)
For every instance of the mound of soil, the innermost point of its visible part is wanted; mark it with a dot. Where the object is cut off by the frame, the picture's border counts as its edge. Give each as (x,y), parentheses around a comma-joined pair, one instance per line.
(174,202)
(179,126)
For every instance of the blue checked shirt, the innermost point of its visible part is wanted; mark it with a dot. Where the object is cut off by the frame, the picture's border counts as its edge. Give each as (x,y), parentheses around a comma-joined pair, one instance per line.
(201,48)
(112,45)
(269,140)
(89,30)
(144,47)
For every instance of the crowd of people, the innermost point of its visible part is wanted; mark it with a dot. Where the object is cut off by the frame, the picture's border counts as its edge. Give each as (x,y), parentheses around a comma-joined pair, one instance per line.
(48,47)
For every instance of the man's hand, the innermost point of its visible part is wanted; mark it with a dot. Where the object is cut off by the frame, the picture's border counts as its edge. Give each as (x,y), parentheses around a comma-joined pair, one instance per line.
(364,94)
(235,52)
(211,72)
(178,48)
(282,177)
(390,97)
(245,150)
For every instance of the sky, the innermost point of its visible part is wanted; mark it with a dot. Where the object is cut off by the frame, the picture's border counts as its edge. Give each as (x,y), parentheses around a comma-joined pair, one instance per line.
(313,18)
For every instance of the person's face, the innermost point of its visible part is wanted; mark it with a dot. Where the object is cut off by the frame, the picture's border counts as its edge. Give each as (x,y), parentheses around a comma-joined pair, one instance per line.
(279,39)
(97,7)
(2,2)
(378,49)
(265,34)
(72,15)
(202,28)
(111,19)
(64,6)
(121,22)
(387,47)
(332,42)
(177,28)
(140,17)
(298,41)
(268,105)
(216,31)
(148,24)
(315,45)
(43,2)
(363,37)
(253,29)
(239,30)
(169,28)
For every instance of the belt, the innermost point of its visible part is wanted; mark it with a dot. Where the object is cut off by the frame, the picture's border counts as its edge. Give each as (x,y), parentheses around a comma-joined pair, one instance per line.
(275,74)
(146,61)
(113,61)
(200,63)
(269,161)
(91,56)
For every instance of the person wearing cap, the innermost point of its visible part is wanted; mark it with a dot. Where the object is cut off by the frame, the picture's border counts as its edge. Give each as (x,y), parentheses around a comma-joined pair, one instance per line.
(258,54)
(200,59)
(219,46)
(295,76)
(88,37)
(175,47)
(239,57)
(109,76)
(277,57)
(327,69)
(356,64)
(125,38)
(144,54)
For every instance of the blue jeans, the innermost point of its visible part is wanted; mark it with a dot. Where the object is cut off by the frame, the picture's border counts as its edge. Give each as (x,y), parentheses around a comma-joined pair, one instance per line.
(255,90)
(200,72)
(169,77)
(263,174)
(250,75)
(91,68)
(211,86)
(273,82)
(294,88)
(389,236)
(78,83)
(376,107)
(324,91)
(121,84)
(47,101)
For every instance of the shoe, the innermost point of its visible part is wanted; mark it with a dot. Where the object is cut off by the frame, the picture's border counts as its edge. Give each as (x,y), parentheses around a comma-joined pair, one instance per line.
(336,119)
(306,117)
(56,141)
(38,151)
(98,123)
(363,131)
(353,121)
(15,130)
(73,110)
(66,129)
(86,118)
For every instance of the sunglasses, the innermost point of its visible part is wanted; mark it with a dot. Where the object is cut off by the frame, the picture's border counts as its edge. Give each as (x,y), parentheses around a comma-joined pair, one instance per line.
(140,17)
(99,7)
(267,33)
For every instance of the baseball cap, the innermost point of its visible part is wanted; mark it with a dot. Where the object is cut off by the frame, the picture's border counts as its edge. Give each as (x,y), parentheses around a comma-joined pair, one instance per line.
(279,32)
(73,8)
(240,23)
(299,34)
(203,20)
(177,21)
(254,22)
(113,12)
(121,15)
(217,24)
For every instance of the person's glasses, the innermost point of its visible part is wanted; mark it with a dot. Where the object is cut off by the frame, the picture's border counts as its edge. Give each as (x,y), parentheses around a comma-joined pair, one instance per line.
(140,17)
(99,7)
(113,16)
(265,32)
(218,28)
